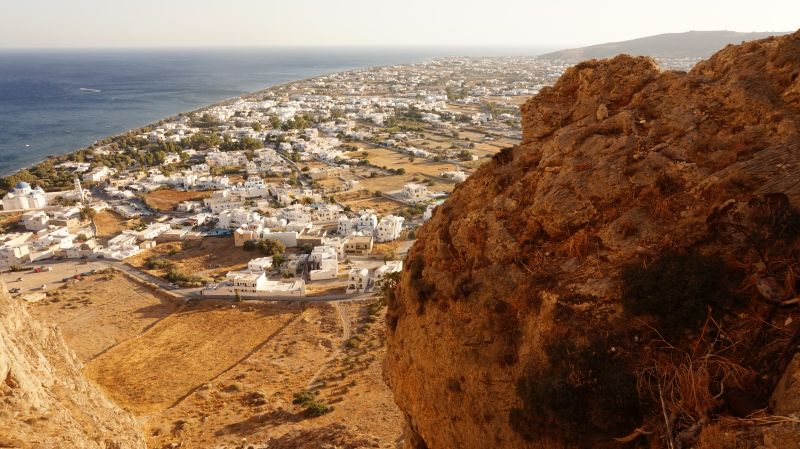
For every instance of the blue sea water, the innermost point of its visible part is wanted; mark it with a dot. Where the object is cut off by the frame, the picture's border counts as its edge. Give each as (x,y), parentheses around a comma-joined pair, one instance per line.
(56,101)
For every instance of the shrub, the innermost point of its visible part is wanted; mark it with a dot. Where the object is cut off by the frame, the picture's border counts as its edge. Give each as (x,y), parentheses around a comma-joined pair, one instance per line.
(316,409)
(677,289)
(303,398)
(154,263)
(185,280)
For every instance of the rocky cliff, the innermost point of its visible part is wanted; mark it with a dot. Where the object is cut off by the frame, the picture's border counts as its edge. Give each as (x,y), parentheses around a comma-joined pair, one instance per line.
(626,275)
(46,401)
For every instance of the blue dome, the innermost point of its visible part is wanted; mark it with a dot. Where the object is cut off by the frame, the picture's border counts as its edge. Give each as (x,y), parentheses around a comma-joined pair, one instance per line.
(23,185)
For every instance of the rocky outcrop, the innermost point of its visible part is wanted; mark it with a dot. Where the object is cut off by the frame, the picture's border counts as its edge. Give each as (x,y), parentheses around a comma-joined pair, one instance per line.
(46,401)
(639,200)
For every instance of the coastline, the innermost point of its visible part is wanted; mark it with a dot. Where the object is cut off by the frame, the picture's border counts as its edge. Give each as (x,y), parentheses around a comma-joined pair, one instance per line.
(171,117)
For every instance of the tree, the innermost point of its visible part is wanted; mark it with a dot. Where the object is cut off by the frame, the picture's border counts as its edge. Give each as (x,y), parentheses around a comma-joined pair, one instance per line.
(387,286)
(307,248)
(271,247)
(87,213)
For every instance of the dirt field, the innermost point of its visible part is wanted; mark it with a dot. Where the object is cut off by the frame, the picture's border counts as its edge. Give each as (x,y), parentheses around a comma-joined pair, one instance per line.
(100,311)
(8,221)
(381,206)
(392,159)
(109,224)
(209,257)
(253,401)
(167,199)
(190,347)
(218,373)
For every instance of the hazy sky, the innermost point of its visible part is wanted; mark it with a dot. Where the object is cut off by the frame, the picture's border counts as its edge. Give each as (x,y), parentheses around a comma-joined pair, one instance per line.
(522,23)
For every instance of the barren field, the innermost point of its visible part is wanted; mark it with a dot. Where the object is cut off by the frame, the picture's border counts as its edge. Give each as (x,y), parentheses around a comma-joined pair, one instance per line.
(108,224)
(392,159)
(8,221)
(183,351)
(333,352)
(207,257)
(167,199)
(380,205)
(100,311)
(218,373)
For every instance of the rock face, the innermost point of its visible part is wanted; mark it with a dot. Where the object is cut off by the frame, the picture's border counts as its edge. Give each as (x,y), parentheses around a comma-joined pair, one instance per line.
(46,401)
(507,327)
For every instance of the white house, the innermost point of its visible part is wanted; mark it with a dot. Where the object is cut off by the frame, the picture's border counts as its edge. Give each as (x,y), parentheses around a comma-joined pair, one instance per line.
(260,265)
(233,219)
(415,192)
(326,212)
(389,228)
(392,266)
(222,200)
(325,261)
(358,280)
(150,232)
(14,249)
(98,174)
(248,284)
(35,220)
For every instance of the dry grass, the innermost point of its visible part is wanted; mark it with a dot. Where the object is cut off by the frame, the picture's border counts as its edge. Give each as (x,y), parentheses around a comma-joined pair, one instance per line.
(717,436)
(167,199)
(580,244)
(688,384)
(190,347)
(100,311)
(108,224)
(207,257)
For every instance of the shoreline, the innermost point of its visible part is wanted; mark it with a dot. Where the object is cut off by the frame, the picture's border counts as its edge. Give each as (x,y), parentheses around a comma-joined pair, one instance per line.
(139,129)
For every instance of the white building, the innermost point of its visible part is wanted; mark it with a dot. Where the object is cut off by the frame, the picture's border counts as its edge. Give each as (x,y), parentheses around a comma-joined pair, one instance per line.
(325,263)
(260,265)
(35,220)
(326,212)
(233,219)
(150,232)
(223,200)
(358,280)
(14,249)
(415,192)
(392,266)
(255,285)
(389,228)
(98,174)
(24,197)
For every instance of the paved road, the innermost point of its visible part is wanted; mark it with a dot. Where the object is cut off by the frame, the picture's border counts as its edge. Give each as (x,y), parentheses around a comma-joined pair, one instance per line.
(61,269)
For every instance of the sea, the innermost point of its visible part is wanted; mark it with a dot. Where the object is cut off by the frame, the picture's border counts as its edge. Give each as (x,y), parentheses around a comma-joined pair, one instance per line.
(56,101)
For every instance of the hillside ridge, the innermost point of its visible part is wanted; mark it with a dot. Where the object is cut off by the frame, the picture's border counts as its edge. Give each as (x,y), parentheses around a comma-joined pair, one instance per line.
(47,401)
(690,44)
(634,243)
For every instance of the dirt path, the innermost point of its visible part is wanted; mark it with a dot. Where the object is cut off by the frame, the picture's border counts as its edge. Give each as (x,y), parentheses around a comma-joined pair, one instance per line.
(345,320)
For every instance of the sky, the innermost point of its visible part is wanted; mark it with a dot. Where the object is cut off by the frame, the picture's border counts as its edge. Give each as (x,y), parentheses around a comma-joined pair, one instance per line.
(463,23)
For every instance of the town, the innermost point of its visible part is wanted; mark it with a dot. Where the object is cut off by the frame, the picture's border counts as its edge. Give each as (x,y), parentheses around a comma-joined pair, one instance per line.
(313,188)
(316,186)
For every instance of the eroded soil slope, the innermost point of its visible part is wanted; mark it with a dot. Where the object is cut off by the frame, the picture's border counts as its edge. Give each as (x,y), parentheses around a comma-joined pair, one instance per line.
(46,400)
